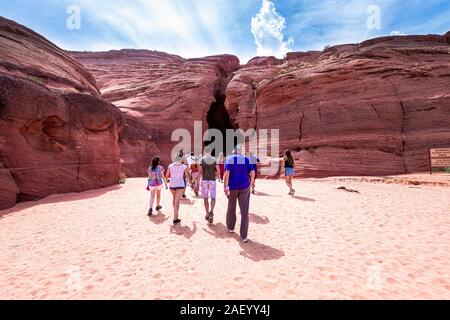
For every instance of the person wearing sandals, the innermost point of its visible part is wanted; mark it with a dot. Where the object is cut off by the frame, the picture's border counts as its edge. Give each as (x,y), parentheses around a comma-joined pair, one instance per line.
(209,171)
(221,161)
(254,160)
(195,176)
(156,179)
(289,171)
(185,160)
(177,173)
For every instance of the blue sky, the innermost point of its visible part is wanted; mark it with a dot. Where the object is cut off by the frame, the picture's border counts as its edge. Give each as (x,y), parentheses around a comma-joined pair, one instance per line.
(246,28)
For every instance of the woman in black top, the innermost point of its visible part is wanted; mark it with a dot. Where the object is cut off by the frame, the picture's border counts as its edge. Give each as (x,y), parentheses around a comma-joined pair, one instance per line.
(289,171)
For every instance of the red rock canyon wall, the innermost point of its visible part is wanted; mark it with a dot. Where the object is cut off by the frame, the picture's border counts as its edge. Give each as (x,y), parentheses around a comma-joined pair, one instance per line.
(362,109)
(56,134)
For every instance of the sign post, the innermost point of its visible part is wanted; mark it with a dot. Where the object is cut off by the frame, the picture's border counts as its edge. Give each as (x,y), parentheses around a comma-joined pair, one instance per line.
(439,159)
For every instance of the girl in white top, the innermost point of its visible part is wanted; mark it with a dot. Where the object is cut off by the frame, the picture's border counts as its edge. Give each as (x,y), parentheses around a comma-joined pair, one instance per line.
(177,173)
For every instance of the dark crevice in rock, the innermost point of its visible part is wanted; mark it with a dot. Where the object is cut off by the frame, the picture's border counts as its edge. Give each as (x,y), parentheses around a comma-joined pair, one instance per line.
(219,118)
(376,111)
(402,105)
(427,109)
(255,101)
(300,127)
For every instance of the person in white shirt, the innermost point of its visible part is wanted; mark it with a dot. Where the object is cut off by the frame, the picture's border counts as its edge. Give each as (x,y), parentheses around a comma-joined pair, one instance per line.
(177,173)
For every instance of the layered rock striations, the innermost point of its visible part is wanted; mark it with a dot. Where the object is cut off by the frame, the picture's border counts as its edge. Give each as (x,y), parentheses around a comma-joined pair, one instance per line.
(158,93)
(366,109)
(373,108)
(56,134)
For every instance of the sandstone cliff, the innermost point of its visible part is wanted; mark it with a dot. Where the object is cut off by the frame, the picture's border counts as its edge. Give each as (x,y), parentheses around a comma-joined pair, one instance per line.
(360,109)
(56,134)
(158,93)
(366,109)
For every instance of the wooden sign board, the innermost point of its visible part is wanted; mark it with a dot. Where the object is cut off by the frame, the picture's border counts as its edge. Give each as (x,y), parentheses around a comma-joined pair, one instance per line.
(439,159)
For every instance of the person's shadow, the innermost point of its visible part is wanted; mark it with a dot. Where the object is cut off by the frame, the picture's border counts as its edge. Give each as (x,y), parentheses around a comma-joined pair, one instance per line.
(184,231)
(304,199)
(219,231)
(260,252)
(158,218)
(254,218)
(187,202)
(251,250)
(263,194)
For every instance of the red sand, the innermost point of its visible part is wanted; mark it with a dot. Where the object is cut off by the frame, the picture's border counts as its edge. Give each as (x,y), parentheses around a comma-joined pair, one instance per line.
(391,241)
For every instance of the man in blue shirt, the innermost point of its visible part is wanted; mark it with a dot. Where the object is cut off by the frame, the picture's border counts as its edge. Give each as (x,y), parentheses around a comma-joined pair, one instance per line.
(239,176)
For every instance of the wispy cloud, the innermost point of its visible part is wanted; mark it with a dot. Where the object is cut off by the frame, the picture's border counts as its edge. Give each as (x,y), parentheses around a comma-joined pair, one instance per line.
(316,24)
(188,28)
(267,28)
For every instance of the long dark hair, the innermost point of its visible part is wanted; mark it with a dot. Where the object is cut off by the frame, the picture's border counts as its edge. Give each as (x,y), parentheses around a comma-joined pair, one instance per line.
(155,163)
(288,157)
(288,154)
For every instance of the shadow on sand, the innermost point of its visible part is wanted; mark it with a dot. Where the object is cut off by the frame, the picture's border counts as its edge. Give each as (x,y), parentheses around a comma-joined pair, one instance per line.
(184,231)
(304,199)
(252,250)
(187,202)
(159,218)
(57,198)
(254,218)
(263,194)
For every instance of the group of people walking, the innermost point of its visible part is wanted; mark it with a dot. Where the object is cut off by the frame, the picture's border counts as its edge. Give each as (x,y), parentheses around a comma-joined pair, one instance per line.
(237,172)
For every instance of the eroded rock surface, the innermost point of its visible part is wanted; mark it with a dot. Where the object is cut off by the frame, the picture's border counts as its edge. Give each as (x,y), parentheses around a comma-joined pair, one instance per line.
(56,134)
(368,109)
(158,93)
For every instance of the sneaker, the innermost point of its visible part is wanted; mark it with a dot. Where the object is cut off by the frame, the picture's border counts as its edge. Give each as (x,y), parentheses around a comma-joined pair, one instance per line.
(293,192)
(207,217)
(230,231)
(245,240)
(150,212)
(211,217)
(176,222)
(158,208)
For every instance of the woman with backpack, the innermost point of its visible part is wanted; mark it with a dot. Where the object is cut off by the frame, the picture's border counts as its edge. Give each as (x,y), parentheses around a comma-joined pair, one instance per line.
(289,171)
(156,179)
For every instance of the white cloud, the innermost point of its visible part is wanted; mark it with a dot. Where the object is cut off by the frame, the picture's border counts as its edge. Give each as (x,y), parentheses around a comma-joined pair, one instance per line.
(267,28)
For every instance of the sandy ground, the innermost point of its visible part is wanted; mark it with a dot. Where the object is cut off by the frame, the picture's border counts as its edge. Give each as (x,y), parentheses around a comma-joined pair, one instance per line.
(390,241)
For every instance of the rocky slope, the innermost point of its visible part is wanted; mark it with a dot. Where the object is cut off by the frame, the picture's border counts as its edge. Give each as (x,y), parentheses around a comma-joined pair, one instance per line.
(366,109)
(159,93)
(56,134)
